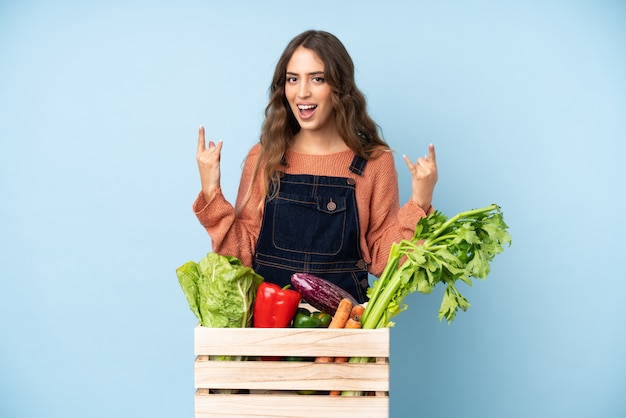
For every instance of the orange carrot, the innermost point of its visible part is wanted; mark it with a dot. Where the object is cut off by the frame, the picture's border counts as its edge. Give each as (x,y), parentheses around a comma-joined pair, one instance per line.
(342,314)
(357,311)
(339,321)
(350,324)
(353,324)
(341,359)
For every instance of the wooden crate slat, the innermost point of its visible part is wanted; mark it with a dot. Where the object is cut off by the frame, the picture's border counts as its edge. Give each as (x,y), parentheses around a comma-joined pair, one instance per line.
(285,375)
(290,406)
(291,342)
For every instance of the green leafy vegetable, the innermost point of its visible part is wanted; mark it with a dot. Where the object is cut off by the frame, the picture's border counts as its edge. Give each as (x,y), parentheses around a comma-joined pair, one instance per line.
(220,290)
(441,251)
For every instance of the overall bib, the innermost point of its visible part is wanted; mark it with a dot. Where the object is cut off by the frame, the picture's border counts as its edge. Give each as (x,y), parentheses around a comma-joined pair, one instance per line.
(312,226)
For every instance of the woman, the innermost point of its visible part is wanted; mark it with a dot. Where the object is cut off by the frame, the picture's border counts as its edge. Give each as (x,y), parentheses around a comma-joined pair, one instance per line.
(319,192)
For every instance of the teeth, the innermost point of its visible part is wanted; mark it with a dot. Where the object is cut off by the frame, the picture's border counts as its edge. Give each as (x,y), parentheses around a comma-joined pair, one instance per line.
(305,107)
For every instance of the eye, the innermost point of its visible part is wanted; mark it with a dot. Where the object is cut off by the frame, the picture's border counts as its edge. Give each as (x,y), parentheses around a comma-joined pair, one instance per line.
(318,80)
(291,79)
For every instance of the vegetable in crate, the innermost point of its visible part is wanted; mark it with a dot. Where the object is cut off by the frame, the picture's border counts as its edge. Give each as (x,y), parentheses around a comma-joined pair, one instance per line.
(441,251)
(275,307)
(320,293)
(220,290)
(324,318)
(307,319)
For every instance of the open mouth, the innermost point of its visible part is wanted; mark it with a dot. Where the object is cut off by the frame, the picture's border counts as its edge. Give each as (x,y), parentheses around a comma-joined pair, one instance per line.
(306,110)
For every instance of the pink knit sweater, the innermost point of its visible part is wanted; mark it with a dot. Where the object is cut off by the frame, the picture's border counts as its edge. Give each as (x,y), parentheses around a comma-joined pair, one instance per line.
(382,220)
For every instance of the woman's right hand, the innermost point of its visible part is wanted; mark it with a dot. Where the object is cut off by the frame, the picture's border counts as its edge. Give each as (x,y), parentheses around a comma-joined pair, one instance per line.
(209,165)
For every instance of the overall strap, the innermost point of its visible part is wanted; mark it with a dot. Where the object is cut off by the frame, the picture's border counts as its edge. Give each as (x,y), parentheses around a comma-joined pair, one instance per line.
(358,165)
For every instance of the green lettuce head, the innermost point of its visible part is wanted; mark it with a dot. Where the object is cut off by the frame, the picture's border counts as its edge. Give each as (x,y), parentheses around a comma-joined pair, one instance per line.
(220,290)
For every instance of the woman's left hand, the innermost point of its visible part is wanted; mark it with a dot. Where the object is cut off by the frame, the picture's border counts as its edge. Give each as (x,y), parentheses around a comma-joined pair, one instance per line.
(423,178)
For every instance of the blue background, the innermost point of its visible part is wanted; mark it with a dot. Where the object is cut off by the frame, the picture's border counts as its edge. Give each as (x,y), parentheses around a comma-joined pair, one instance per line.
(99,108)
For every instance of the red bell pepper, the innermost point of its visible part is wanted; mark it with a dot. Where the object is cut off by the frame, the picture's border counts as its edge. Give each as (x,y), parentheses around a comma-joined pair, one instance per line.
(275,307)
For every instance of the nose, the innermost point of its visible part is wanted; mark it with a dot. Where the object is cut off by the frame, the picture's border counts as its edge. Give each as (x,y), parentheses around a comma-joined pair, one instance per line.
(303,89)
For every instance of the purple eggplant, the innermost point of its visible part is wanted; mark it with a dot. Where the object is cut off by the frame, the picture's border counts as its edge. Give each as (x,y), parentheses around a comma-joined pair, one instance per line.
(320,293)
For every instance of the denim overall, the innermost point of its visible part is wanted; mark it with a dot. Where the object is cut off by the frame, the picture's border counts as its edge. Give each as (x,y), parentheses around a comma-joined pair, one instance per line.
(312,226)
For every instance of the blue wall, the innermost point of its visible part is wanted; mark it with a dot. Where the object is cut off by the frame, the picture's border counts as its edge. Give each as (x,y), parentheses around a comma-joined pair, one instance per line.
(99,107)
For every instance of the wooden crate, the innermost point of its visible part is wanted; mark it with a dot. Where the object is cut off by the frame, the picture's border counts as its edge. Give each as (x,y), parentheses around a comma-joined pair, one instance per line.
(270,388)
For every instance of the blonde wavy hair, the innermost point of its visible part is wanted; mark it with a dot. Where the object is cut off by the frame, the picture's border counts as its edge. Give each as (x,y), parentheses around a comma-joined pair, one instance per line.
(355,126)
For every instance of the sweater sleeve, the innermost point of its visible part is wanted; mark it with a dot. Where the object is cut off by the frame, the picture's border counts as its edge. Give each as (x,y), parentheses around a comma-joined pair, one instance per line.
(388,222)
(234,232)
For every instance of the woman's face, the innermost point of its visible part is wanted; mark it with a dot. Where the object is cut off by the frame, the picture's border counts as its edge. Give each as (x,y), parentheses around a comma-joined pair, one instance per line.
(307,92)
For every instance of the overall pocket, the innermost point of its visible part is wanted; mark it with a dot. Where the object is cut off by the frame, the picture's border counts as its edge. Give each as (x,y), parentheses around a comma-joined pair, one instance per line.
(314,225)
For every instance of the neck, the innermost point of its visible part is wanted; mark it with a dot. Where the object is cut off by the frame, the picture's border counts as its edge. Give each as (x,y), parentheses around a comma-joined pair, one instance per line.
(318,142)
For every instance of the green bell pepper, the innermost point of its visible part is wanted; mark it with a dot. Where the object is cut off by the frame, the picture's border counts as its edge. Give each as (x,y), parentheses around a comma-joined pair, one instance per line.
(305,319)
(324,318)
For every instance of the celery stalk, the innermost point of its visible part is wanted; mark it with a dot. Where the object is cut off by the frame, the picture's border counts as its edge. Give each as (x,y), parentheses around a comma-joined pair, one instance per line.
(441,251)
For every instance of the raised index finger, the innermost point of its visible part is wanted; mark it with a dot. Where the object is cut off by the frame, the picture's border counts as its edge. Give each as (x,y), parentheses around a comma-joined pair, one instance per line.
(201,142)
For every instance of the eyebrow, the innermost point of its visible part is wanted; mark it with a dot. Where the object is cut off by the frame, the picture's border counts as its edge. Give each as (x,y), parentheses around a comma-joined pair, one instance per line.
(312,73)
